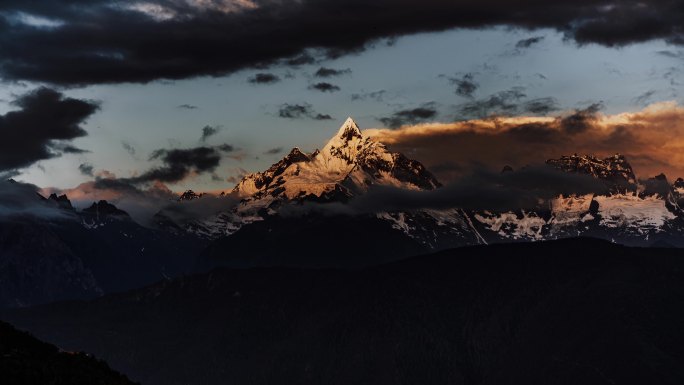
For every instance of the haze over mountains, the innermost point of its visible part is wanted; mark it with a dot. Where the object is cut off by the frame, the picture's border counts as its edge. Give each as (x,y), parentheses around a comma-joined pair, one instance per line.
(353,203)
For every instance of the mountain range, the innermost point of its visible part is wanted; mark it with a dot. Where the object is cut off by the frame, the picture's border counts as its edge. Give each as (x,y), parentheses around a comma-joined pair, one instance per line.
(351,204)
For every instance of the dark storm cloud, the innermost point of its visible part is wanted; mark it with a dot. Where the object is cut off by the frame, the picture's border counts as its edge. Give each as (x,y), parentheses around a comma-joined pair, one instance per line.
(209,131)
(87,43)
(300,111)
(264,78)
(410,116)
(41,128)
(324,87)
(465,85)
(86,169)
(324,72)
(529,42)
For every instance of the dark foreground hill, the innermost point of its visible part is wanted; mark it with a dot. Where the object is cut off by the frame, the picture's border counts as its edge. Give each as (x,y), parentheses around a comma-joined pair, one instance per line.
(25,360)
(577,311)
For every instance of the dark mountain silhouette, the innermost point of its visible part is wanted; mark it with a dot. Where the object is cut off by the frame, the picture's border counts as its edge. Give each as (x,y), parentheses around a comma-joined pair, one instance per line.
(25,360)
(575,311)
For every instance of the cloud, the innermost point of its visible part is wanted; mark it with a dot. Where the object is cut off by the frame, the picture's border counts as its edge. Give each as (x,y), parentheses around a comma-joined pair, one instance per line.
(273,151)
(643,99)
(209,131)
(86,169)
(179,163)
(18,200)
(581,120)
(236,175)
(220,37)
(465,85)
(324,87)
(176,165)
(652,139)
(378,96)
(144,203)
(529,42)
(501,103)
(410,116)
(42,127)
(264,78)
(187,107)
(299,60)
(140,203)
(300,111)
(130,149)
(530,188)
(541,106)
(324,72)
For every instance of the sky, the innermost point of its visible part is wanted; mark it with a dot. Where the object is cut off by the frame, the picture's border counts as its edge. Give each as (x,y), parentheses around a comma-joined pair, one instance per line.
(196,93)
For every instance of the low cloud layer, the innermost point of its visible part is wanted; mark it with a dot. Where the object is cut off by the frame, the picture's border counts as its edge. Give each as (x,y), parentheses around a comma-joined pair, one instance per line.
(42,127)
(529,188)
(143,203)
(18,200)
(652,140)
(44,40)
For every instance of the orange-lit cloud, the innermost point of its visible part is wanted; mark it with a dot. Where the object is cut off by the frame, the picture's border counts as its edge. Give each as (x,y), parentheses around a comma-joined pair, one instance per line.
(652,139)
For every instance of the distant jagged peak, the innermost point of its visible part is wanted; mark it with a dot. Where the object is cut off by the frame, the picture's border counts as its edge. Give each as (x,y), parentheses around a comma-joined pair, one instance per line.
(62,201)
(102,210)
(189,195)
(615,166)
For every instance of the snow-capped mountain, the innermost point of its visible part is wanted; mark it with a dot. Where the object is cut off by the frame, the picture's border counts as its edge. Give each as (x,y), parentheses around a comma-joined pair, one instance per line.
(626,210)
(346,166)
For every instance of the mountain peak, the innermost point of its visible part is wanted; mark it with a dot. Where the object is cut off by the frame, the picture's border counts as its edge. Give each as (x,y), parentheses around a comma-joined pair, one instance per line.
(346,165)
(349,130)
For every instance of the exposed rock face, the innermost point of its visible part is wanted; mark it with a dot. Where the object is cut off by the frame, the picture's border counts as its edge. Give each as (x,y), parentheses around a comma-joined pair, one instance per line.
(614,170)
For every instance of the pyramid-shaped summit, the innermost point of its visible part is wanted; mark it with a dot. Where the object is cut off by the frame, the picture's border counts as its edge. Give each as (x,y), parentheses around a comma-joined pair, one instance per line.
(349,130)
(347,165)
